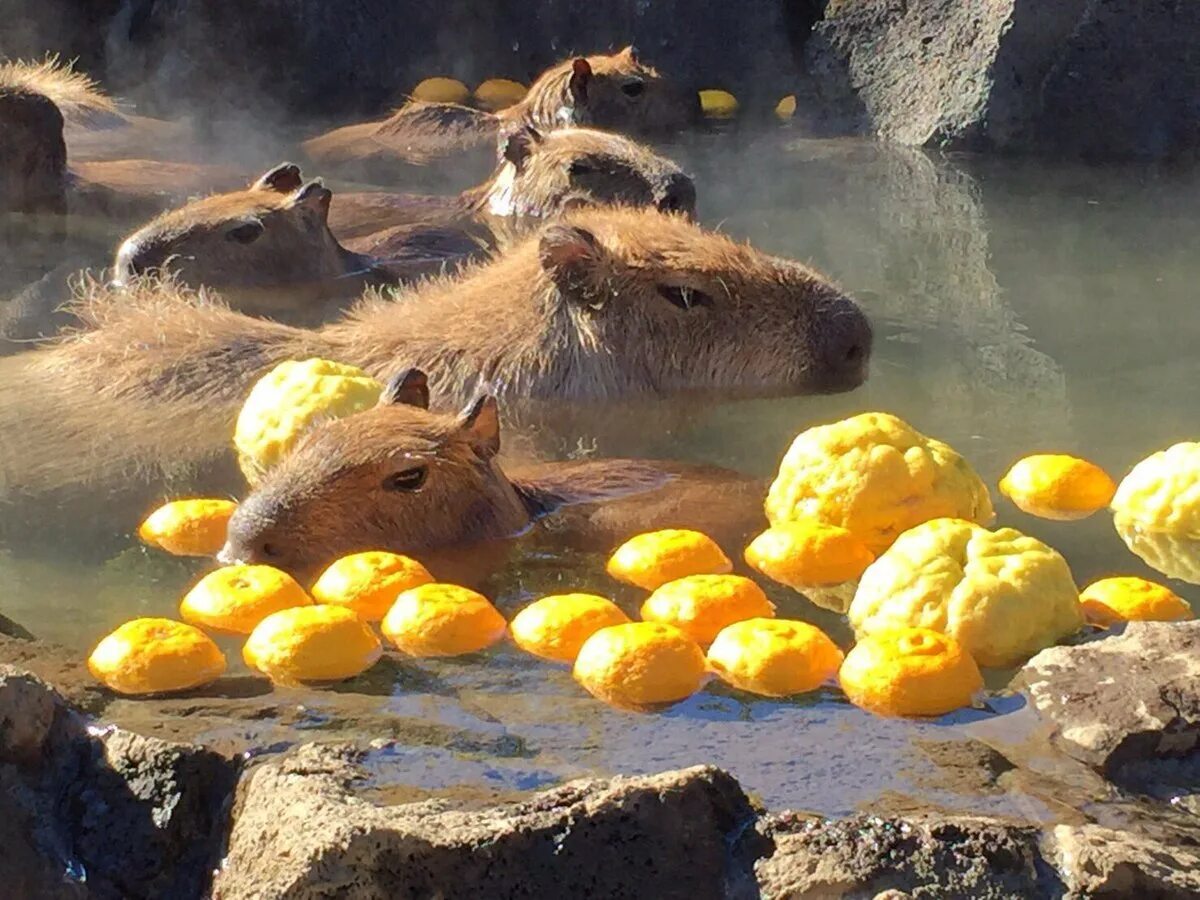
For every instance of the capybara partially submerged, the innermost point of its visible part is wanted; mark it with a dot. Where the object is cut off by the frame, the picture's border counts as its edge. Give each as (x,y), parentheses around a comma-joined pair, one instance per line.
(401,478)
(603,305)
(616,92)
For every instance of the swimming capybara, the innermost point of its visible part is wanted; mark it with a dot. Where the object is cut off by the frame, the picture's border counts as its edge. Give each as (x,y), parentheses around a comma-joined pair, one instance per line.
(616,92)
(602,305)
(398,477)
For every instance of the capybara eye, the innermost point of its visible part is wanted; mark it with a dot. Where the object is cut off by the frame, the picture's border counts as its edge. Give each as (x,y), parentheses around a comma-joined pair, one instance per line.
(269,550)
(408,480)
(579,167)
(633,88)
(685,298)
(245,234)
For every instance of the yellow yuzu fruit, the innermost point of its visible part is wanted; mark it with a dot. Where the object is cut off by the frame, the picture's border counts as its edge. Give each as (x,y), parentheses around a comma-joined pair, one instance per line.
(774,657)
(312,643)
(909,672)
(1128,598)
(236,598)
(1175,555)
(496,94)
(1162,492)
(151,656)
(785,109)
(369,583)
(1057,486)
(555,627)
(718,104)
(440,89)
(638,665)
(442,620)
(701,605)
(656,557)
(188,527)
(808,553)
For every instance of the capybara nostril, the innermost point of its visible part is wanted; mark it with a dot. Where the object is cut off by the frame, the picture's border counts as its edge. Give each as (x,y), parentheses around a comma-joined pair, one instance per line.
(679,196)
(846,347)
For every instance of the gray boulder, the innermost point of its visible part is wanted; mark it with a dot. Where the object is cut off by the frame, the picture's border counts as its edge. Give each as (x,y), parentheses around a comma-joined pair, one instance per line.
(1100,862)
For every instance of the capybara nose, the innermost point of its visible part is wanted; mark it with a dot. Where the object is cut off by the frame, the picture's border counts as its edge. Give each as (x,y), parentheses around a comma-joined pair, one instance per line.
(845,349)
(679,196)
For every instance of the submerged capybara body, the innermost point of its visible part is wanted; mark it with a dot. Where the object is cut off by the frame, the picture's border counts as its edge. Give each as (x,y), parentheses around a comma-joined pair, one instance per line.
(401,478)
(603,305)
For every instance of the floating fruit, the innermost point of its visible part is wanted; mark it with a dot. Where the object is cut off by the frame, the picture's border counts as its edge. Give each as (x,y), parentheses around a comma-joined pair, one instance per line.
(1126,598)
(369,583)
(152,656)
(656,557)
(1175,555)
(311,643)
(774,657)
(909,672)
(785,109)
(1057,486)
(235,599)
(555,627)
(701,605)
(496,94)
(289,400)
(442,620)
(640,664)
(441,90)
(188,527)
(876,476)
(808,553)
(1001,594)
(718,104)
(1162,492)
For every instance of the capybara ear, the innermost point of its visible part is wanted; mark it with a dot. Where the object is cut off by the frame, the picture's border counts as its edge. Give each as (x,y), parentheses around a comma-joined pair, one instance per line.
(283,179)
(567,253)
(581,77)
(409,387)
(480,424)
(315,197)
(519,145)
(630,53)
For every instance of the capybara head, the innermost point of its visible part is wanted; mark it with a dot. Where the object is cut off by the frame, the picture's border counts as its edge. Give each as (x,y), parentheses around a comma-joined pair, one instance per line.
(33,154)
(542,174)
(394,477)
(615,91)
(263,248)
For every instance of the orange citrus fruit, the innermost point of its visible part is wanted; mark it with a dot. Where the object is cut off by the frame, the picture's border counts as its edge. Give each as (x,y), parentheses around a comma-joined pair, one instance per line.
(151,656)
(701,605)
(656,557)
(235,599)
(909,672)
(369,582)
(640,664)
(1124,599)
(718,104)
(808,553)
(496,94)
(188,527)
(774,657)
(1057,486)
(441,90)
(785,109)
(555,627)
(442,620)
(312,643)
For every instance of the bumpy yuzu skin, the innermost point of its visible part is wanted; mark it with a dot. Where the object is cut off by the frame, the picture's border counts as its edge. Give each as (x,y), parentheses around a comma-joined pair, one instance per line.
(188,527)
(1058,486)
(1162,492)
(1175,555)
(312,643)
(876,476)
(496,94)
(152,656)
(701,605)
(808,554)
(718,104)
(909,672)
(555,627)
(440,89)
(774,657)
(656,557)
(442,620)
(1003,595)
(640,664)
(1128,598)
(288,400)
(234,599)
(369,583)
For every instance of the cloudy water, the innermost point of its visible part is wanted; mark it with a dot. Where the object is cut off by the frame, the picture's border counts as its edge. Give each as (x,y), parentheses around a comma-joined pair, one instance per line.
(1017,307)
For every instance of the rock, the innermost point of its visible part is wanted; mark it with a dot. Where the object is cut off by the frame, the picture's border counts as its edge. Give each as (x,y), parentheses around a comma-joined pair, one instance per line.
(659,836)
(27,709)
(1100,862)
(1125,701)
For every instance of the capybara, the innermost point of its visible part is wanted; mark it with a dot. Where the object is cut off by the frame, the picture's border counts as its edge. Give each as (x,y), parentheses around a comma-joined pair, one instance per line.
(605,304)
(401,478)
(615,92)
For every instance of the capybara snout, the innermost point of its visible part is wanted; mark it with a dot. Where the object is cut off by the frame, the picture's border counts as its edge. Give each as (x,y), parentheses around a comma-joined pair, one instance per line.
(843,346)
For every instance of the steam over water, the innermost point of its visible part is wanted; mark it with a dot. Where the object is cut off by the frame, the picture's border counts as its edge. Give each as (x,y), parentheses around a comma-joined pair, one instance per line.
(1017,308)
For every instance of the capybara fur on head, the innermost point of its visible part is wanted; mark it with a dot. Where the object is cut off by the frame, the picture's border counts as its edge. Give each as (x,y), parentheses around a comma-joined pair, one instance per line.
(33,154)
(401,478)
(267,249)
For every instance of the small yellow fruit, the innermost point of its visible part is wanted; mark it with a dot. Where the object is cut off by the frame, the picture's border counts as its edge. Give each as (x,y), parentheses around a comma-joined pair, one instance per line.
(718,104)
(639,665)
(442,620)
(1056,486)
(312,643)
(786,108)
(1124,599)
(909,672)
(555,627)
(1175,555)
(701,605)
(188,527)
(774,657)
(496,94)
(652,559)
(441,90)
(151,656)
(234,599)
(808,554)
(369,583)
(1162,492)
(288,401)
